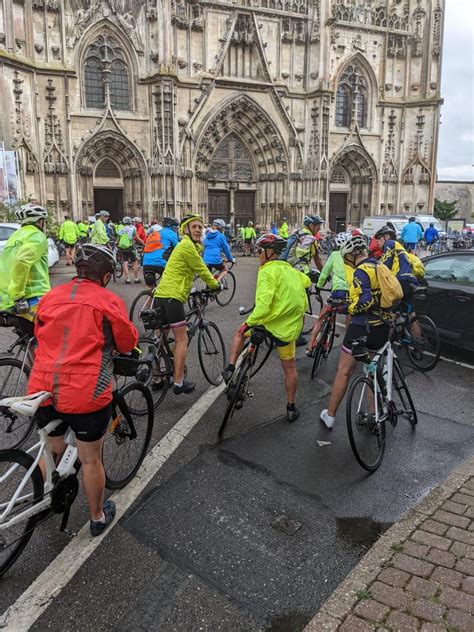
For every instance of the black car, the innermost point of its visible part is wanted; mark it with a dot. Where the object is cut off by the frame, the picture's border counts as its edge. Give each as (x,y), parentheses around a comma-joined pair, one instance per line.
(450,296)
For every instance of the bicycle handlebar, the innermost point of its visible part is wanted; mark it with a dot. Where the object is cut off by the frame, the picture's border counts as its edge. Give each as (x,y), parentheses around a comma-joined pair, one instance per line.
(243,311)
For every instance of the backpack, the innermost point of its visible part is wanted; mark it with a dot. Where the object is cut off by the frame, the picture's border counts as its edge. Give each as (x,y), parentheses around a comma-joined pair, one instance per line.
(416,265)
(153,242)
(298,248)
(125,242)
(390,288)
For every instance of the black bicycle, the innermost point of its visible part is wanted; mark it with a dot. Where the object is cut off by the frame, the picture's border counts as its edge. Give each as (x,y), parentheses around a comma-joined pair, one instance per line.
(325,340)
(315,303)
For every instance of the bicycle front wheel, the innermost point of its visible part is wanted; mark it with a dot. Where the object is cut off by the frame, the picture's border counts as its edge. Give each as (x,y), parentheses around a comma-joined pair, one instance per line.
(236,392)
(14,427)
(424,345)
(228,289)
(366,429)
(211,352)
(128,434)
(142,302)
(315,304)
(14,466)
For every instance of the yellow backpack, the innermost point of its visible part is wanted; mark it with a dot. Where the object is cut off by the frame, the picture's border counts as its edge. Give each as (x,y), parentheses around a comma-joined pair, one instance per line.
(416,265)
(391,291)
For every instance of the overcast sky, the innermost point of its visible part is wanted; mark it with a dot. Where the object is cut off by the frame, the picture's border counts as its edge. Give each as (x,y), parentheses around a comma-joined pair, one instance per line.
(456,142)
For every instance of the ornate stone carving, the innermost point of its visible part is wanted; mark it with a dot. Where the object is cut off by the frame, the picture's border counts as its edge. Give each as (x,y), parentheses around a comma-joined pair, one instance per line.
(51,5)
(78,16)
(437,19)
(293,31)
(21,135)
(389,171)
(397,46)
(127,13)
(54,157)
(419,16)
(372,13)
(163,156)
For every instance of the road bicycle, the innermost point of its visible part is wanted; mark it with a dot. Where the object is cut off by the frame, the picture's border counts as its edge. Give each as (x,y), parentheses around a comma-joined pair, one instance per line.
(27,499)
(325,340)
(375,402)
(315,303)
(15,368)
(141,303)
(227,281)
(211,347)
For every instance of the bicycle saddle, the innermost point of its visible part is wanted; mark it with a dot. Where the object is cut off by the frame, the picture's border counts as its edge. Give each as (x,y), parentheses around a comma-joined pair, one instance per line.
(27,405)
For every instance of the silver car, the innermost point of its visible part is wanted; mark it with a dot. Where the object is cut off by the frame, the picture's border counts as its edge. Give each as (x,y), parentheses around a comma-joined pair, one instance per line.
(7,229)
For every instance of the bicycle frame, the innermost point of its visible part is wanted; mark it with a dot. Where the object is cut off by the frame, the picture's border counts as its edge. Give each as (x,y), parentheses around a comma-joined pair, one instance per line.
(371,371)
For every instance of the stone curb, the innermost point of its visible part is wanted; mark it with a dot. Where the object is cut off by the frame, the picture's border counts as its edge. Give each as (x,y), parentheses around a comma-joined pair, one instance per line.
(343,599)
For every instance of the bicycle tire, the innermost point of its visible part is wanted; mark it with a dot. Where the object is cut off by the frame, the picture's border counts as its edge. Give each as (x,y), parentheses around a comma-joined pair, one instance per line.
(123,424)
(208,347)
(136,308)
(227,294)
(24,530)
(318,357)
(326,336)
(161,373)
(402,392)
(12,438)
(118,267)
(315,304)
(235,387)
(358,423)
(431,345)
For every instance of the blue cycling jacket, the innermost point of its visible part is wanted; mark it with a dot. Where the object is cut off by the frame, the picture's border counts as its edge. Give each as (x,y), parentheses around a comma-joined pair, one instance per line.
(411,233)
(214,245)
(159,257)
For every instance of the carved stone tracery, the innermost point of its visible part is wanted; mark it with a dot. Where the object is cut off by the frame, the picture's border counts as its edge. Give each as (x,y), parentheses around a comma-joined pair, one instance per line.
(54,158)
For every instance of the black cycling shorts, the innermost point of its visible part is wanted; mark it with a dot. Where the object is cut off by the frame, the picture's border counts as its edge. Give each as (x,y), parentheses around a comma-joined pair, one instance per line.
(174,311)
(248,241)
(87,427)
(150,273)
(216,266)
(129,255)
(376,338)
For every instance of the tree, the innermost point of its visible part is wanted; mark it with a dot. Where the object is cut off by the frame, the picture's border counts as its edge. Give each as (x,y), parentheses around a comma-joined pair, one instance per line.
(445,211)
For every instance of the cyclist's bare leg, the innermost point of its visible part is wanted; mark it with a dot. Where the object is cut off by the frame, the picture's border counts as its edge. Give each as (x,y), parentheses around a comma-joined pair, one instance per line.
(221,275)
(291,379)
(179,352)
(415,327)
(125,270)
(69,253)
(93,475)
(57,447)
(345,369)
(238,342)
(135,269)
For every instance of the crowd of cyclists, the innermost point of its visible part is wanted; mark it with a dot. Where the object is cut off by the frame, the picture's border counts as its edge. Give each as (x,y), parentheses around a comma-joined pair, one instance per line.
(80,324)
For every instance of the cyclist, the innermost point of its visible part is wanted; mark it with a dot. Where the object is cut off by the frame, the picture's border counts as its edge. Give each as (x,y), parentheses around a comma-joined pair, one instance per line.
(137,222)
(175,286)
(431,236)
(341,274)
(69,235)
(411,234)
(396,258)
(368,319)
(283,232)
(24,274)
(280,304)
(214,245)
(273,228)
(78,326)
(109,226)
(99,233)
(127,238)
(83,229)
(249,236)
(158,248)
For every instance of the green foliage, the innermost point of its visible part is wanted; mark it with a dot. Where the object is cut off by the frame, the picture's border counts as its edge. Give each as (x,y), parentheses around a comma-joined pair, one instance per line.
(397,546)
(444,210)
(7,214)
(363,594)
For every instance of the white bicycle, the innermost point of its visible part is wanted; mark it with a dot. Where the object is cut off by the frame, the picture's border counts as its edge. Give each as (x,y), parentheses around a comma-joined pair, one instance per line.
(27,498)
(375,401)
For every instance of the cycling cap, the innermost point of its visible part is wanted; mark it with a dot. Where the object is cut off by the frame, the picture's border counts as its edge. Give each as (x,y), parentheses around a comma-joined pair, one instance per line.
(30,213)
(187,219)
(385,230)
(219,222)
(342,238)
(127,220)
(353,245)
(104,213)
(275,242)
(313,219)
(170,222)
(95,259)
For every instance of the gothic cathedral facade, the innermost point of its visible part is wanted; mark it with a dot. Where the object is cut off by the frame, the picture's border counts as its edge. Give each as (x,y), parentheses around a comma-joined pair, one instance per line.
(241,109)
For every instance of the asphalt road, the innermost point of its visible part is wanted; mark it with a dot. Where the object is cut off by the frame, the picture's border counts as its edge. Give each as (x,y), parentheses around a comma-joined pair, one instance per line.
(254,532)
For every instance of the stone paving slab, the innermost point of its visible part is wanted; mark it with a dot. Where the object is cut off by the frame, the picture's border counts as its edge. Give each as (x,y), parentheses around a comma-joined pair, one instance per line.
(419,576)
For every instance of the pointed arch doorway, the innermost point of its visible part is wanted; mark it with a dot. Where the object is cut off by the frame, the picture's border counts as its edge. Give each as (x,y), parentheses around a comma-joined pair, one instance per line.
(231,183)
(108,189)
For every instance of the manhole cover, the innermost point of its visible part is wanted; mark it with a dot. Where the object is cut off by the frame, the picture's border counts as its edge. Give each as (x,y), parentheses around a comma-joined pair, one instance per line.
(284,524)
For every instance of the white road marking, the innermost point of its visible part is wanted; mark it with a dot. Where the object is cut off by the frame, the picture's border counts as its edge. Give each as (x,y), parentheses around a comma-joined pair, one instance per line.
(21,615)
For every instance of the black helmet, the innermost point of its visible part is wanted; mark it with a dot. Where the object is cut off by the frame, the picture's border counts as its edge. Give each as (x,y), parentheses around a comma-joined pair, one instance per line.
(385,230)
(171,222)
(412,219)
(313,219)
(94,261)
(273,242)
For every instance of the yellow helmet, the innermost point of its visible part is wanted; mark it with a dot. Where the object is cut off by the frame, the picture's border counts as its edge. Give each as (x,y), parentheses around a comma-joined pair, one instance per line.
(187,219)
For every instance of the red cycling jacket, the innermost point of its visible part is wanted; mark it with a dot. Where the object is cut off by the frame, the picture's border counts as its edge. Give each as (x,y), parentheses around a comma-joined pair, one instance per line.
(140,232)
(78,326)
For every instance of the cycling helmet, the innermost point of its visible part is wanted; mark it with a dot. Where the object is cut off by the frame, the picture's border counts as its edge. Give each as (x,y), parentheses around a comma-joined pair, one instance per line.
(137,219)
(356,231)
(95,260)
(127,220)
(273,242)
(313,219)
(104,213)
(187,219)
(341,239)
(249,223)
(30,213)
(219,223)
(354,245)
(170,222)
(385,230)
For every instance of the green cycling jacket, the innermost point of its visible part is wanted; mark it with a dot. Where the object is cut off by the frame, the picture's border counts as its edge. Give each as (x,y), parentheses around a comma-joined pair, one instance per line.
(183,265)
(335,267)
(99,233)
(69,232)
(83,229)
(280,300)
(24,266)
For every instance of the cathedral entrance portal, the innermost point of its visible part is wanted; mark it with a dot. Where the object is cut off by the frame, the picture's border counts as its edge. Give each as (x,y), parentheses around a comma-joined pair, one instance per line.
(109,200)
(337,212)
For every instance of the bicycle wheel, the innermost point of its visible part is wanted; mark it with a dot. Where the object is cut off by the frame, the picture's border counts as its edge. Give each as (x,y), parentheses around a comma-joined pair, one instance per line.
(211,352)
(366,433)
(228,289)
(236,392)
(423,350)
(14,466)
(14,427)
(118,266)
(323,345)
(400,387)
(128,435)
(318,358)
(161,373)
(315,304)
(262,352)
(143,301)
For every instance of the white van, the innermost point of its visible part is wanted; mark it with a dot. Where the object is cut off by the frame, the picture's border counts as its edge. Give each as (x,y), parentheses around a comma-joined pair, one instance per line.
(426,220)
(375,222)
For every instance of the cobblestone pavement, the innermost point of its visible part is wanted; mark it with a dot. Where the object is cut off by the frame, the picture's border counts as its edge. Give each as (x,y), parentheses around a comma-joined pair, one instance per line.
(423,581)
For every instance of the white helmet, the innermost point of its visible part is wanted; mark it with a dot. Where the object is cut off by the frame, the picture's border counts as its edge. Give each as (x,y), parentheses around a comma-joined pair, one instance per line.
(137,219)
(127,220)
(219,222)
(355,244)
(342,238)
(30,213)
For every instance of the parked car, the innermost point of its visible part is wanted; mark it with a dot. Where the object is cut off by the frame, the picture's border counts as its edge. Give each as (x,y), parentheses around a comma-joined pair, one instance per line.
(7,229)
(450,296)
